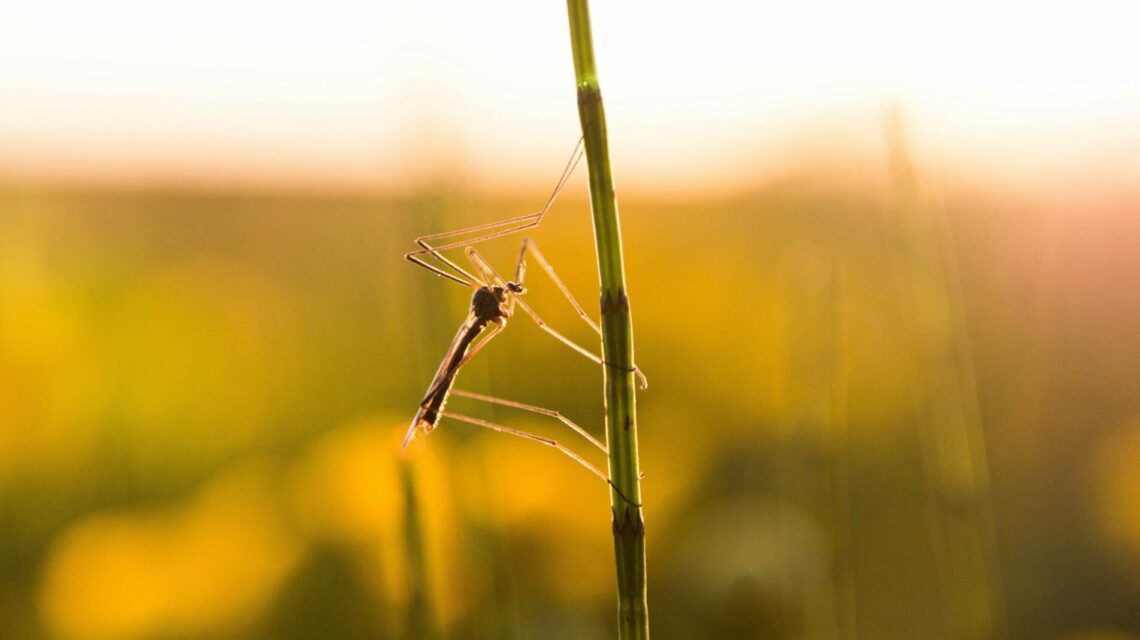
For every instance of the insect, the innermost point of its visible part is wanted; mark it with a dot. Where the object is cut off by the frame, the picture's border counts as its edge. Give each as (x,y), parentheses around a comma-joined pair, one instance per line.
(492,304)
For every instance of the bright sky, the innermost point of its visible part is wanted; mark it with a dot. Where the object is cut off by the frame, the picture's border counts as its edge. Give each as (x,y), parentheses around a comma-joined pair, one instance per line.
(380,94)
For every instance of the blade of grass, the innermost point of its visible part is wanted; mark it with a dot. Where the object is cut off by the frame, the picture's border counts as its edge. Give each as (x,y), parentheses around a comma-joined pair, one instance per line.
(954,450)
(421,620)
(617,339)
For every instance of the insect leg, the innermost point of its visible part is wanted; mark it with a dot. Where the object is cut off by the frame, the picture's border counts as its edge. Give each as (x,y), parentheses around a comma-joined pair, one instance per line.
(532,247)
(539,439)
(484,268)
(573,345)
(492,229)
(414,258)
(529,245)
(539,410)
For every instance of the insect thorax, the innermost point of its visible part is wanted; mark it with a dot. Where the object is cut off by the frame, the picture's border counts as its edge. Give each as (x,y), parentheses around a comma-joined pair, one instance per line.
(487,302)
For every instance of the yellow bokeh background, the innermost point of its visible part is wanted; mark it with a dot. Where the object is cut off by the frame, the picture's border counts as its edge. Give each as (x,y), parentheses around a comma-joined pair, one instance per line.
(881,260)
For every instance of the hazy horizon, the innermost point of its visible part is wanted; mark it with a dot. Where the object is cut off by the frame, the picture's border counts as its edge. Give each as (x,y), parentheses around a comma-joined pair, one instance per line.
(359,97)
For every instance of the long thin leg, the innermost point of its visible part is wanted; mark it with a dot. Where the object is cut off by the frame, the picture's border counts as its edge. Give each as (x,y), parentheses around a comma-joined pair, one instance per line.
(486,271)
(530,245)
(514,225)
(539,439)
(520,273)
(539,410)
(573,345)
(442,258)
(481,266)
(520,222)
(561,338)
(414,256)
(415,259)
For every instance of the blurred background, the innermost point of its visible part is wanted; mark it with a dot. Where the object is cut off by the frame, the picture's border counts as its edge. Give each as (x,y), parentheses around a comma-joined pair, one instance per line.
(881,258)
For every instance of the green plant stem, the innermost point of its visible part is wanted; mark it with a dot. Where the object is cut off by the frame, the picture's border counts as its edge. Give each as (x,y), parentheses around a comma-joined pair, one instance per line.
(617,339)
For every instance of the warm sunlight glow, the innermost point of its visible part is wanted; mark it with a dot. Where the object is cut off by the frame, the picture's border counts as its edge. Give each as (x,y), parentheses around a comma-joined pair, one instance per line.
(1118,483)
(363,94)
(205,568)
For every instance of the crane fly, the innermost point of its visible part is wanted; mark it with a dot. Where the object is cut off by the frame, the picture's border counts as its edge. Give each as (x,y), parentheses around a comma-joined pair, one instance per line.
(492,304)
(489,305)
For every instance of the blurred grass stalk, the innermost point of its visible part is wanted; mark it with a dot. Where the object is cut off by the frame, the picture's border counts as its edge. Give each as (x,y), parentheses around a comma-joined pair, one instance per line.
(617,339)
(953,447)
(421,619)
